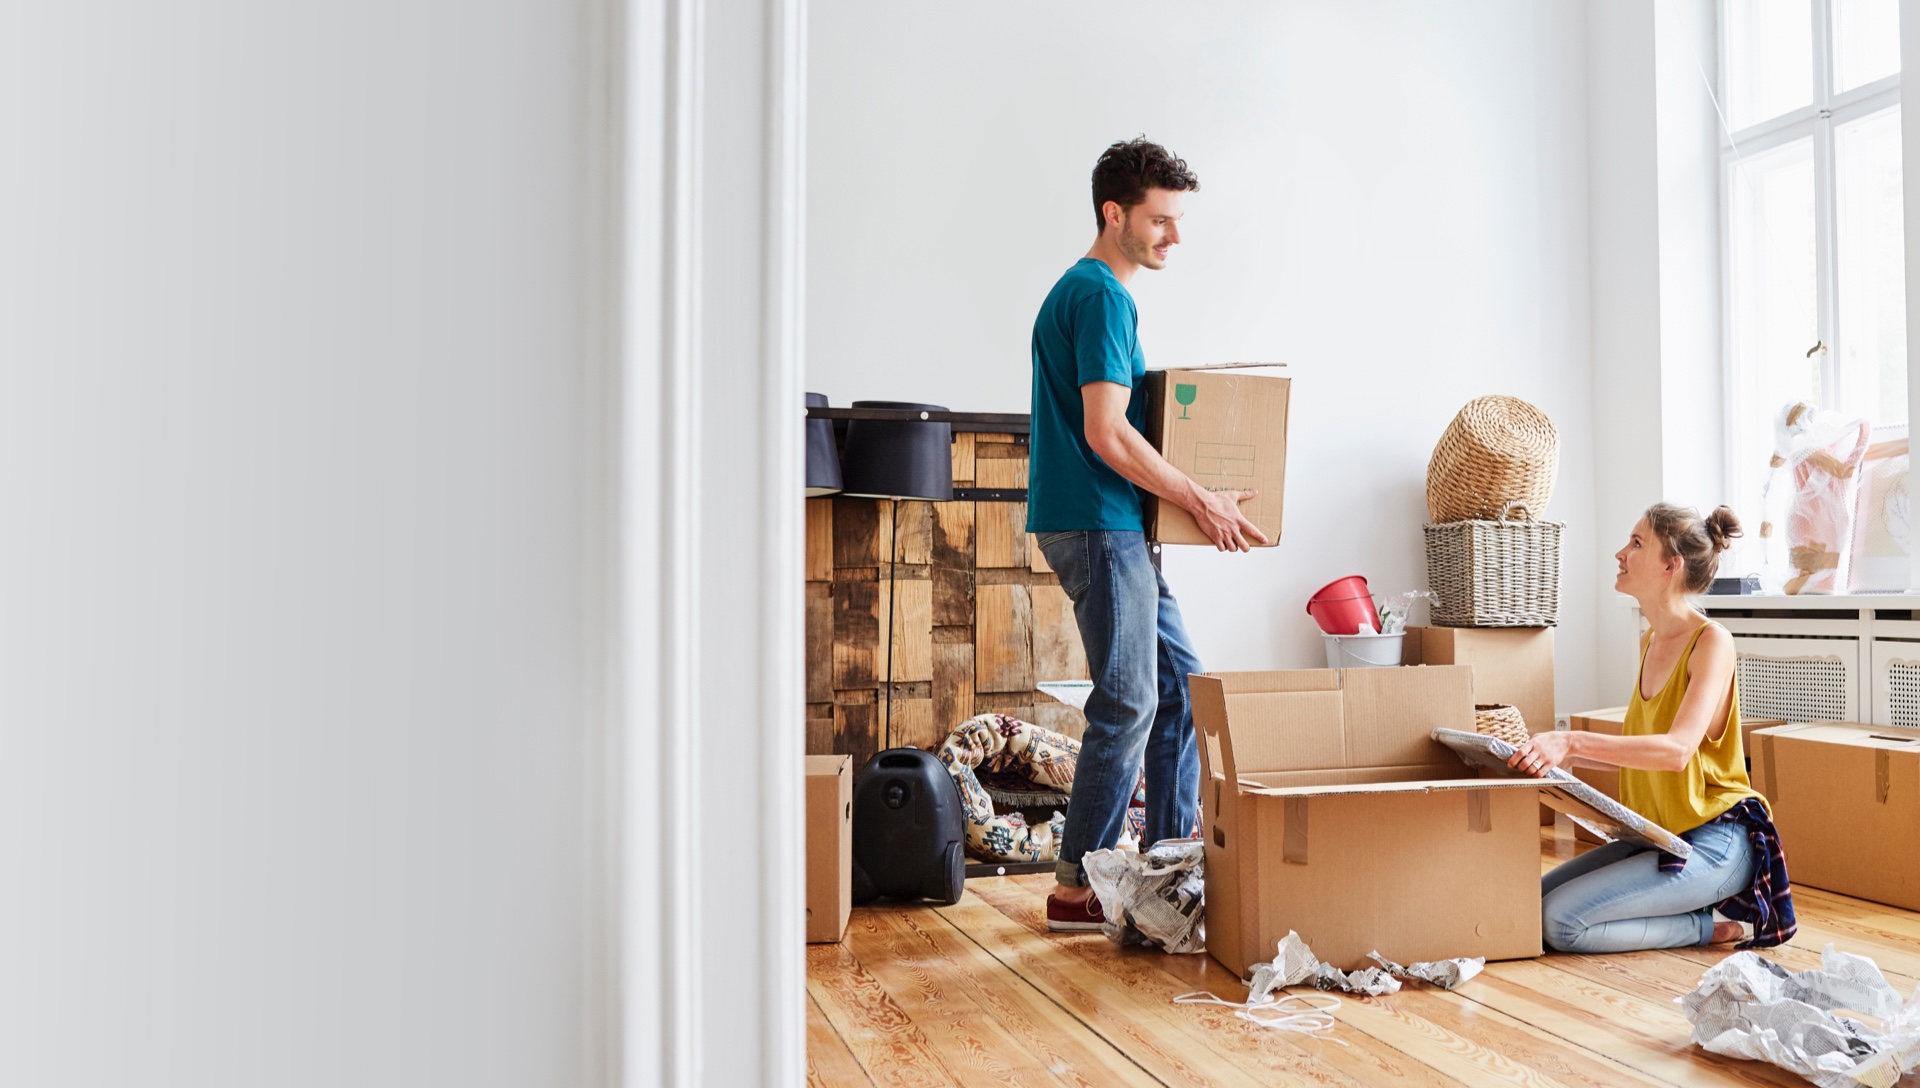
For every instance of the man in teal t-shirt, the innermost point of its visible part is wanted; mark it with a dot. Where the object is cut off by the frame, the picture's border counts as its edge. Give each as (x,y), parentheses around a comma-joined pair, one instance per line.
(1090,461)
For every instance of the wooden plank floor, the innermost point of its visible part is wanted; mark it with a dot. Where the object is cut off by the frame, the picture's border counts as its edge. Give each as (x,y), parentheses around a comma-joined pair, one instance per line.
(981,993)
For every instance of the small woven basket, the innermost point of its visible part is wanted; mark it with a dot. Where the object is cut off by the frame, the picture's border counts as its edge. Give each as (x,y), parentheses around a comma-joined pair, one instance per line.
(1503,573)
(1500,720)
(1496,451)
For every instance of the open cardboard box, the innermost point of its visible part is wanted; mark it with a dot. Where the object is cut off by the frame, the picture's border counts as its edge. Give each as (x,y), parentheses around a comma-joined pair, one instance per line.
(1228,430)
(1329,810)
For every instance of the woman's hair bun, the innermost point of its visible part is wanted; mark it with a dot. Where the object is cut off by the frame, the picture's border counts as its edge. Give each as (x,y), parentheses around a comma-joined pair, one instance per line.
(1722,527)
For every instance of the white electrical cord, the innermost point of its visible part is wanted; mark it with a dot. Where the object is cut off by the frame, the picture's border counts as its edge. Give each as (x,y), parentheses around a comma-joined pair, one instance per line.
(1314,1020)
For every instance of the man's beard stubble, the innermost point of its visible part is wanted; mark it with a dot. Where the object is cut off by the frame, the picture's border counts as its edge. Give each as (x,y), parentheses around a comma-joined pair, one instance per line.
(1135,249)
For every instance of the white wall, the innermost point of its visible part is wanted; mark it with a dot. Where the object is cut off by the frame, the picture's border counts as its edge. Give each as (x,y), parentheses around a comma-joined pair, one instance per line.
(294,648)
(1624,210)
(1692,360)
(1394,201)
(1658,366)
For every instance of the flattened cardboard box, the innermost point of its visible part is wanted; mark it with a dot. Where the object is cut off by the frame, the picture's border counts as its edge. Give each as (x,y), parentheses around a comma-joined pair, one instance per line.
(829,847)
(1846,798)
(1329,810)
(1226,429)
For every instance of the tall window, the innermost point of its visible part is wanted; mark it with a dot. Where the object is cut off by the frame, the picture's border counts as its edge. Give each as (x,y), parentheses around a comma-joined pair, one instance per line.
(1810,187)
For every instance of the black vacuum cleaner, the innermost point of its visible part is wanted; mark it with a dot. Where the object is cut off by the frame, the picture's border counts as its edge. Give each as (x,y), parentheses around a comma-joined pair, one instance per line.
(909,834)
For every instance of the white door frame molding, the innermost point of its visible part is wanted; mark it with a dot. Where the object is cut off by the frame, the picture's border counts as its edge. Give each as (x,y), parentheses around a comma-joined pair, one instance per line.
(1910,184)
(702,814)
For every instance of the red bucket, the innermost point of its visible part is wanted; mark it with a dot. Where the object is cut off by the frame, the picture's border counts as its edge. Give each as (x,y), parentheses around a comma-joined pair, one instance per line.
(1344,607)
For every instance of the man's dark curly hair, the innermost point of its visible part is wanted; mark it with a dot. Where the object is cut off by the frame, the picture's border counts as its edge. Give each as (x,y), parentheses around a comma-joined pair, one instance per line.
(1129,168)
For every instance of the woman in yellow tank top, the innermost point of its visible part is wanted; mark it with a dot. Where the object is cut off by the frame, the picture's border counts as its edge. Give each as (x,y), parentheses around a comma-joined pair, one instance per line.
(1681,766)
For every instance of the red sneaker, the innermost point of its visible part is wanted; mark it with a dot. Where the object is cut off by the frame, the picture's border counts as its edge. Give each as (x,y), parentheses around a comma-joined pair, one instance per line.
(1064,917)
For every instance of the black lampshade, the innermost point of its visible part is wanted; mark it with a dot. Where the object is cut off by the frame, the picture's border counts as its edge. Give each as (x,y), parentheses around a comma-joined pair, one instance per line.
(912,459)
(823,460)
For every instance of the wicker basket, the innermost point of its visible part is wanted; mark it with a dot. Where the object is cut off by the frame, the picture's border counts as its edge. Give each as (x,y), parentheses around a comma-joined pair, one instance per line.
(1500,720)
(1503,573)
(1496,451)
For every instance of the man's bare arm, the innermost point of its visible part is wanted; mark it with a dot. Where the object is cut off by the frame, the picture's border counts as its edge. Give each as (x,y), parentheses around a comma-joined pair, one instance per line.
(1128,452)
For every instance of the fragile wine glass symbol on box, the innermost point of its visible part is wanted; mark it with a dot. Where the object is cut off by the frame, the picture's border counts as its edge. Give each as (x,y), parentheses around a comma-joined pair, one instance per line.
(1184,394)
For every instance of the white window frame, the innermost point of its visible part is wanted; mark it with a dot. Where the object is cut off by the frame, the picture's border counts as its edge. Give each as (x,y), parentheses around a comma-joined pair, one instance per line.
(1818,120)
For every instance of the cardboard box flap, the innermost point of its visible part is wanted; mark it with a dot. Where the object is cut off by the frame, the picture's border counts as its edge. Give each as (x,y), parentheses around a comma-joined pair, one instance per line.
(1343,776)
(1443,785)
(1890,737)
(1391,713)
(1287,731)
(1322,719)
(829,765)
(1222,366)
(1244,683)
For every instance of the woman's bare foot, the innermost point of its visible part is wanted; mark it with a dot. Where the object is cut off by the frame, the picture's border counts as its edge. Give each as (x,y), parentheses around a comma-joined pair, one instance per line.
(1728,932)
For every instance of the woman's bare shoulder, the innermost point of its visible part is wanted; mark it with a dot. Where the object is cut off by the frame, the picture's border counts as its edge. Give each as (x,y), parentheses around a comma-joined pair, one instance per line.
(1716,641)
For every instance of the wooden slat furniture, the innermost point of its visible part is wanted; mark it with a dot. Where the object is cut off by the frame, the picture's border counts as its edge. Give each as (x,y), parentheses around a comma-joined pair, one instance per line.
(978,618)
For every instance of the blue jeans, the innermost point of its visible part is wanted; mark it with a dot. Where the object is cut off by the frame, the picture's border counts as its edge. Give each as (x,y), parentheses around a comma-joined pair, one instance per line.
(1139,656)
(1616,899)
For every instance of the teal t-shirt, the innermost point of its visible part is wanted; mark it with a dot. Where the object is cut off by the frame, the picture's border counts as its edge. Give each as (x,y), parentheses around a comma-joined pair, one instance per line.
(1087,331)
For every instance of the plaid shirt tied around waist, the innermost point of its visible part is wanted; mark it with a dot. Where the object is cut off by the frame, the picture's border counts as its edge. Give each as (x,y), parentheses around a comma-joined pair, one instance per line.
(1768,904)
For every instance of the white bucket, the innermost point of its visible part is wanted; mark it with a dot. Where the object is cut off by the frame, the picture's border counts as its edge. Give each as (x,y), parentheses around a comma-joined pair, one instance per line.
(1363,651)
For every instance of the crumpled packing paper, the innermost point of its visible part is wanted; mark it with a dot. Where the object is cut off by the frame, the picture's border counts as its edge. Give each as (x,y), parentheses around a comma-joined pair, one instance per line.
(1296,965)
(1749,1007)
(1156,897)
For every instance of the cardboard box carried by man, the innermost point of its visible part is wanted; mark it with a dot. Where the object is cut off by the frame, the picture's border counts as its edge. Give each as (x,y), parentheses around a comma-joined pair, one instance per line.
(1227,429)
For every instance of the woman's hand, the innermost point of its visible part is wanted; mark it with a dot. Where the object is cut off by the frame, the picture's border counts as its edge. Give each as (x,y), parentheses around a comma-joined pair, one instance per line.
(1542,753)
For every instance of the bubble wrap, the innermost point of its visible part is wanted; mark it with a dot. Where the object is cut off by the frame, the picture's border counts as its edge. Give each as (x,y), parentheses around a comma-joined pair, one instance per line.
(1478,750)
(1155,897)
(1750,1007)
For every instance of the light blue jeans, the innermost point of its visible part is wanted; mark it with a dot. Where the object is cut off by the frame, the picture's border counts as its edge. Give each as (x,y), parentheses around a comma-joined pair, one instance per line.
(1615,898)
(1139,656)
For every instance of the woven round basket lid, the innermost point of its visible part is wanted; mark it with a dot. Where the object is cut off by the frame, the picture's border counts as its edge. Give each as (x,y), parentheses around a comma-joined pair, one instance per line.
(1498,450)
